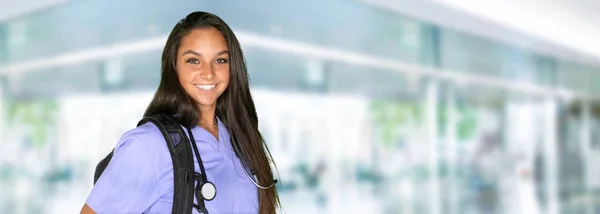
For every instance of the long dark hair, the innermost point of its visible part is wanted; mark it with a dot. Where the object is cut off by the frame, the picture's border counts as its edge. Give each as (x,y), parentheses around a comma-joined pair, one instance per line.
(235,106)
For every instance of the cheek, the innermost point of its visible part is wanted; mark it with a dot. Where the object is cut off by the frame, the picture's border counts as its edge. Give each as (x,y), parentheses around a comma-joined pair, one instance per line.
(225,75)
(184,75)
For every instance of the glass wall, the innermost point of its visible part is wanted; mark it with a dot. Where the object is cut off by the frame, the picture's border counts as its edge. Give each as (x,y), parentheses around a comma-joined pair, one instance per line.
(480,56)
(572,185)
(353,105)
(54,30)
(579,151)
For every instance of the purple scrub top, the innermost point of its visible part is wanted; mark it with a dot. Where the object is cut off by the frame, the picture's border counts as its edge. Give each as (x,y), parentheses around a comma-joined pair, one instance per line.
(139,177)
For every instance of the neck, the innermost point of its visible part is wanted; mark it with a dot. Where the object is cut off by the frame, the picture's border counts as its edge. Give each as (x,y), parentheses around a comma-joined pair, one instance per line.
(207,117)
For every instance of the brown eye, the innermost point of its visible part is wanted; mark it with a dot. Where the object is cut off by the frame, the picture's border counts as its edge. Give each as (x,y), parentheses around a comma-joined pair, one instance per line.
(193,61)
(222,61)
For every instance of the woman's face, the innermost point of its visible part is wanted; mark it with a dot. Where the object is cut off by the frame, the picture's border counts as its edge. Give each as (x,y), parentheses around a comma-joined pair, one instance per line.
(203,66)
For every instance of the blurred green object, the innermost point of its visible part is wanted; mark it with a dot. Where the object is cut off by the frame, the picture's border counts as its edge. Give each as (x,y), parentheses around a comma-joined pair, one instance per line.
(467,123)
(36,115)
(390,116)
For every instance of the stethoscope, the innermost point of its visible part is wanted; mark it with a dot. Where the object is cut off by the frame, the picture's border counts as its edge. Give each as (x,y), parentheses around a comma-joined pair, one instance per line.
(206,190)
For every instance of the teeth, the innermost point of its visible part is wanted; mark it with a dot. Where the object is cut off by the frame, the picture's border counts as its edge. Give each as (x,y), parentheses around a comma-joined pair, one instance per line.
(205,87)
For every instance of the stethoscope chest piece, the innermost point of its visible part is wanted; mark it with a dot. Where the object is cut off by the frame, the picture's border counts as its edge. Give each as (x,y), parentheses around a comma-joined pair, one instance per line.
(208,190)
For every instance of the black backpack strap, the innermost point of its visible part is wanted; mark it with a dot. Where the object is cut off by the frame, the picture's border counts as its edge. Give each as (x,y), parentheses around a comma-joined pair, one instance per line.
(183,162)
(102,165)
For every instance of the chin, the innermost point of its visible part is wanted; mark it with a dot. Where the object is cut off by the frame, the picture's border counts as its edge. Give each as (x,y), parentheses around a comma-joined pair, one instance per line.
(205,102)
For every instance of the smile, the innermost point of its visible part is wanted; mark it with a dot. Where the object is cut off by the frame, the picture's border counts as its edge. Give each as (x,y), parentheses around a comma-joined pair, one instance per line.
(206,87)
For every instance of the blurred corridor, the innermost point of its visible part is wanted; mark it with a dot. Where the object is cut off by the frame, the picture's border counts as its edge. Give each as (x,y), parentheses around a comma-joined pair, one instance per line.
(368,106)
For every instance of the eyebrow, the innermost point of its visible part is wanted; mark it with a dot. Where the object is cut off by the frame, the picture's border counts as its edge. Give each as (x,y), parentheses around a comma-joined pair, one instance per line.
(223,52)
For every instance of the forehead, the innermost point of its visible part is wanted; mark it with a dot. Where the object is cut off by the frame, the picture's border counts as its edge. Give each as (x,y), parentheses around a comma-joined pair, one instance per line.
(205,40)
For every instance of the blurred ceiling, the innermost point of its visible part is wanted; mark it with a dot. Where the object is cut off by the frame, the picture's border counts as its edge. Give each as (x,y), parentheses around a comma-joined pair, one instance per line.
(14,8)
(570,23)
(563,28)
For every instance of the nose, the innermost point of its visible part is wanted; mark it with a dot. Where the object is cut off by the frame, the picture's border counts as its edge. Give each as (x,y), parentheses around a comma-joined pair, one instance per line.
(207,71)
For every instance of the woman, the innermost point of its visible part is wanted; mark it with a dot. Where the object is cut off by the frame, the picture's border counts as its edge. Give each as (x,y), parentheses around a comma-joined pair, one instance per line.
(204,81)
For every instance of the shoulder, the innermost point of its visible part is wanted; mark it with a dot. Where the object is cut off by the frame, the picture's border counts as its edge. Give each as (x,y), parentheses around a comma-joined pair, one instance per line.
(129,182)
(147,135)
(138,144)
(144,142)
(147,131)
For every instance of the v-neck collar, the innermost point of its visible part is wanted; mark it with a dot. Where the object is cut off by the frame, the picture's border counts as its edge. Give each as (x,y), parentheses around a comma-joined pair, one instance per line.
(206,137)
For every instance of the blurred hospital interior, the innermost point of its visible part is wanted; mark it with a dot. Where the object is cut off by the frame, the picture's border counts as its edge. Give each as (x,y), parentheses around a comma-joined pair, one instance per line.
(367,106)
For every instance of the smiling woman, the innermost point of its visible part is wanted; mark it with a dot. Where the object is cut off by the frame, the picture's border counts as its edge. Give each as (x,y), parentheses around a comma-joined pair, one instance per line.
(203,71)
(204,85)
